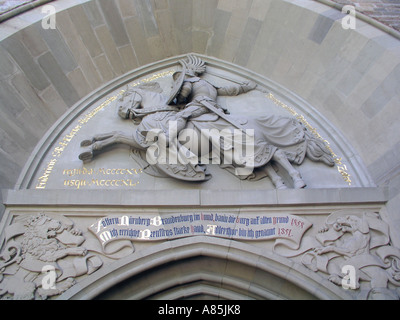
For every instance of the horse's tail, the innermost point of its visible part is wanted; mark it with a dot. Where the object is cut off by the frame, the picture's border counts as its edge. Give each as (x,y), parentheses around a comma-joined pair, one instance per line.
(317,150)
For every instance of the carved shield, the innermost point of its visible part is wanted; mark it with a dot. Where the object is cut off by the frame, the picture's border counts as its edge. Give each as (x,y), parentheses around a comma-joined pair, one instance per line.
(188,172)
(177,86)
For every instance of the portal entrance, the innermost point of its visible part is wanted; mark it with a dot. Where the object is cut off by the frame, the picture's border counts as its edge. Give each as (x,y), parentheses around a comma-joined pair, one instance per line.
(205,269)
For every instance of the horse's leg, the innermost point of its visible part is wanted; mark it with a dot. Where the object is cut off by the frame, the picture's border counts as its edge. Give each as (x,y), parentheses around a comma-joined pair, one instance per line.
(121,137)
(98,137)
(106,140)
(281,158)
(275,178)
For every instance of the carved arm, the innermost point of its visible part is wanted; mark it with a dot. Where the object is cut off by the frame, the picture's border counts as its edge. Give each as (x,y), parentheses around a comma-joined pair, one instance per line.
(236,89)
(186,89)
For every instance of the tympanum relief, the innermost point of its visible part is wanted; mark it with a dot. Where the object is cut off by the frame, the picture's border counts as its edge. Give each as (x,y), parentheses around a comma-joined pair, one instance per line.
(180,134)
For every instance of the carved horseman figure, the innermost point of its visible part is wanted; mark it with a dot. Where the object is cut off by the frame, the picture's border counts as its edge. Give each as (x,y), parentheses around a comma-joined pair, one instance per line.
(163,123)
(200,98)
(198,94)
(146,106)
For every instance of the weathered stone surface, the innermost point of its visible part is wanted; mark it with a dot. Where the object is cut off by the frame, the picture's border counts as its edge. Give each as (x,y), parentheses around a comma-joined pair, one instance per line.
(110,49)
(114,22)
(85,31)
(25,61)
(64,87)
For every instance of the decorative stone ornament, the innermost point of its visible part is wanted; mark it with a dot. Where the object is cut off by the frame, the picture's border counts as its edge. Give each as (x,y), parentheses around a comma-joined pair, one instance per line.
(37,244)
(357,241)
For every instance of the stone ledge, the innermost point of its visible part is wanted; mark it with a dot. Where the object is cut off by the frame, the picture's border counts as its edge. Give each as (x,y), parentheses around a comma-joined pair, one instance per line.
(12,9)
(193,198)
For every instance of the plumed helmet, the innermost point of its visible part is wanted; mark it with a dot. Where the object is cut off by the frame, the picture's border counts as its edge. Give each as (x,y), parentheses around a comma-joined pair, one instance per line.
(194,65)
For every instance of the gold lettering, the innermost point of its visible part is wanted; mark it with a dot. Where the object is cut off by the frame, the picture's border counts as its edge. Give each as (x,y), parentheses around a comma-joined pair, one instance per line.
(79,183)
(75,183)
(60,147)
(338,160)
(45,177)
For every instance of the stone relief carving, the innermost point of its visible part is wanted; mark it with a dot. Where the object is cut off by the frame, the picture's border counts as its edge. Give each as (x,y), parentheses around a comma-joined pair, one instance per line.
(179,134)
(37,244)
(354,240)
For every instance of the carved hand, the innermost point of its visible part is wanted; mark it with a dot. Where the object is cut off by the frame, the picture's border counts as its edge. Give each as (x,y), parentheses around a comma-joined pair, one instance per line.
(327,249)
(248,86)
(78,251)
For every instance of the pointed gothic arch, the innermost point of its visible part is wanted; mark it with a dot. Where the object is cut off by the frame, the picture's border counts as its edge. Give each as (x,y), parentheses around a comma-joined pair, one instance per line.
(204,266)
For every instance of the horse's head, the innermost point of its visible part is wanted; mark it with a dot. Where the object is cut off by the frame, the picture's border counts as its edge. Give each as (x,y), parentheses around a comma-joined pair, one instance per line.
(129,101)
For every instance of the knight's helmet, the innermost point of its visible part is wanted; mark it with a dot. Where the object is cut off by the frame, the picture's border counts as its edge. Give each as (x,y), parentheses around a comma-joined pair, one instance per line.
(193,65)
